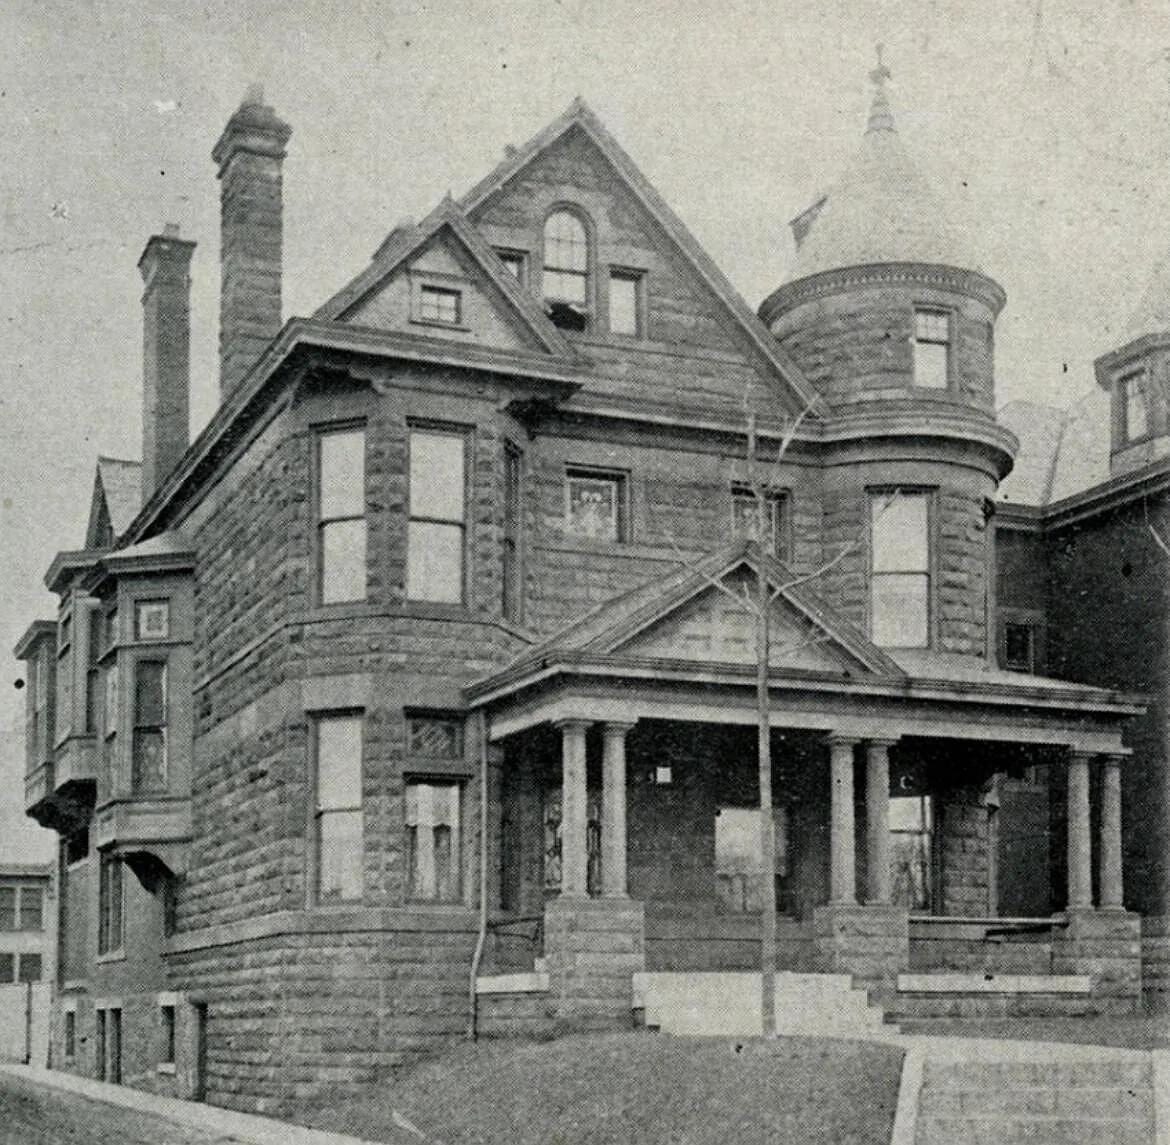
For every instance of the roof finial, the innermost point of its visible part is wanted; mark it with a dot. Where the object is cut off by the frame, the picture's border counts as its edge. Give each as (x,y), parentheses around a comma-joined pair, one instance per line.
(880,116)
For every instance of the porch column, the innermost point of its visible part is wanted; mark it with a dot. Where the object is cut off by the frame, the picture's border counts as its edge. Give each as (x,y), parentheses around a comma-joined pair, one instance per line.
(1110,878)
(843,870)
(877,820)
(574,810)
(1080,842)
(613,810)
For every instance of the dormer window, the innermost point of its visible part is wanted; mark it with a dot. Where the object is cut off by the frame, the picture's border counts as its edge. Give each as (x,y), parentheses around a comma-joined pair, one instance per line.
(566,270)
(1135,415)
(932,348)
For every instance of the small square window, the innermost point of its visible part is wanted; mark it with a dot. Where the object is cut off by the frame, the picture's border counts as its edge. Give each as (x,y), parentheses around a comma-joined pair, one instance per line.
(745,519)
(152,620)
(30,968)
(438,304)
(593,505)
(625,302)
(663,775)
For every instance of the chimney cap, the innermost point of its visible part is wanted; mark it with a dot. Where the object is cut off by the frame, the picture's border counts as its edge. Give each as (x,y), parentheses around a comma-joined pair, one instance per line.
(253,127)
(166,247)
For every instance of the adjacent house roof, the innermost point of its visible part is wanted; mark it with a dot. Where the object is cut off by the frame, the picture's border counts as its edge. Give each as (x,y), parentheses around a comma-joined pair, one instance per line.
(882,209)
(1062,452)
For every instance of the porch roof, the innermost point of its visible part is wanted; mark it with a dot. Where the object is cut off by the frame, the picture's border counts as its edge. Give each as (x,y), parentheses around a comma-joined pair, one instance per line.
(643,655)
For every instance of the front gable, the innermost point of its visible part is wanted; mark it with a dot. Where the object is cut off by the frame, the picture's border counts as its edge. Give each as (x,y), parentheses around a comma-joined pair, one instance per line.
(711,627)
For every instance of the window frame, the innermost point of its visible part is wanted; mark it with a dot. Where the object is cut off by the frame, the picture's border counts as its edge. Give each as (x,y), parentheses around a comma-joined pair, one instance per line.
(512,535)
(1138,380)
(93,672)
(137,726)
(620,480)
(637,278)
(874,494)
(456,896)
(168,1023)
(314,896)
(586,309)
(322,523)
(19,892)
(431,291)
(932,310)
(779,503)
(464,434)
(111,907)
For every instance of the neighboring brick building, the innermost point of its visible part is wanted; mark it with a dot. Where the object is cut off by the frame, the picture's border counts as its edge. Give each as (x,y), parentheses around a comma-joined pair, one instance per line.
(439,615)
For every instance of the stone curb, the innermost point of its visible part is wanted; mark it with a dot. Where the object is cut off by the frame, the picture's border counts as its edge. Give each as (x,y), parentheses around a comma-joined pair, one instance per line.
(210,1119)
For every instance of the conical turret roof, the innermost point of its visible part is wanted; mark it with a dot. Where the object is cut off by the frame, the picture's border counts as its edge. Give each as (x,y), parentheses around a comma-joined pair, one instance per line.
(881,210)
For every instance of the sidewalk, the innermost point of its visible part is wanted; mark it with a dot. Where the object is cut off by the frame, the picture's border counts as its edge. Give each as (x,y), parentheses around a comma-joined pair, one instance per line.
(246,1128)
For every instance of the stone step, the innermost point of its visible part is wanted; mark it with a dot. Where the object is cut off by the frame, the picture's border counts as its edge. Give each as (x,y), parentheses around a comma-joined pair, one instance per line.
(968,1130)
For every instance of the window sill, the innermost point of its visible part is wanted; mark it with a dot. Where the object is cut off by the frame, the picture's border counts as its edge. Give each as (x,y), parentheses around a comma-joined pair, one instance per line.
(118,955)
(439,324)
(167,1068)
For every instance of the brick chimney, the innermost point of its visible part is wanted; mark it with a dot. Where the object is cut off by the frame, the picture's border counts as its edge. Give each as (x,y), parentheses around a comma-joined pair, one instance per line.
(166,354)
(249,154)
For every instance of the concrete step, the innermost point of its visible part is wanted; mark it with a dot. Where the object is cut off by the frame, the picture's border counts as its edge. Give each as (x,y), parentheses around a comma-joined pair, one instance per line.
(1054,1102)
(727,1004)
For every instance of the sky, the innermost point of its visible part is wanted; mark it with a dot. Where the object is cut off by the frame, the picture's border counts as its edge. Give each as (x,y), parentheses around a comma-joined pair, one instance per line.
(1044,123)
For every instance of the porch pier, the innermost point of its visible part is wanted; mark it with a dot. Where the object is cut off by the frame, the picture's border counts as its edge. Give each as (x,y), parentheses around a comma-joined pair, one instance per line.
(877,821)
(574,810)
(613,810)
(1080,841)
(1110,877)
(843,871)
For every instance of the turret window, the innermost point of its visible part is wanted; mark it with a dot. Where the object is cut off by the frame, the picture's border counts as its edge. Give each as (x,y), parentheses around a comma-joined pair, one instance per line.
(900,569)
(932,348)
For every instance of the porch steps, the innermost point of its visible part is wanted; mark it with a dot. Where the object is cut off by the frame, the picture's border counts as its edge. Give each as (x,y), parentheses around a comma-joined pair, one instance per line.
(727,1004)
(1046,1102)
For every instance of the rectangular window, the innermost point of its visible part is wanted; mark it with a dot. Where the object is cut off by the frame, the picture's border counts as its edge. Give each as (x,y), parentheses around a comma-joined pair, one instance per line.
(167,1048)
(341,515)
(911,850)
(149,761)
(64,715)
(438,304)
(594,505)
(152,620)
(625,302)
(32,908)
(110,633)
(1134,410)
(40,681)
(111,712)
(338,814)
(932,348)
(7,969)
(433,841)
(745,519)
(30,968)
(513,571)
(99,1048)
(1019,653)
(436,530)
(900,569)
(110,904)
(7,908)
(70,1038)
(92,672)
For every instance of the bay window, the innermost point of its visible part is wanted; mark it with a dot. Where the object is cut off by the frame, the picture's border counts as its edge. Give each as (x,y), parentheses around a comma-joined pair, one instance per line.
(900,568)
(149,749)
(341,515)
(337,817)
(436,530)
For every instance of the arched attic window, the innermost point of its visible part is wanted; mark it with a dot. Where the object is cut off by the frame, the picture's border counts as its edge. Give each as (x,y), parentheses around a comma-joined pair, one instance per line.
(566,270)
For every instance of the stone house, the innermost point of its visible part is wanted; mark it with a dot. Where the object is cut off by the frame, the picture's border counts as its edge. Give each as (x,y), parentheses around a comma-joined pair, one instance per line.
(417,692)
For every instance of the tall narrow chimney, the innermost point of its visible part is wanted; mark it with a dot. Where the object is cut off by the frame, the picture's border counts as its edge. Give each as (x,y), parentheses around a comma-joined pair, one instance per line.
(250,154)
(166,354)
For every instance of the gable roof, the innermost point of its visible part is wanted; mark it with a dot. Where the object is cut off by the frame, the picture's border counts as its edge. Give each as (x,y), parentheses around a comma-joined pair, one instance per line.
(405,242)
(580,115)
(616,623)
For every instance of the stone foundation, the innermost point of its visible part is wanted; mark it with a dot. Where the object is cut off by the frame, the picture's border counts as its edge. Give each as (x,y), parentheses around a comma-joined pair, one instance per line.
(1106,945)
(592,949)
(870,942)
(1156,964)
